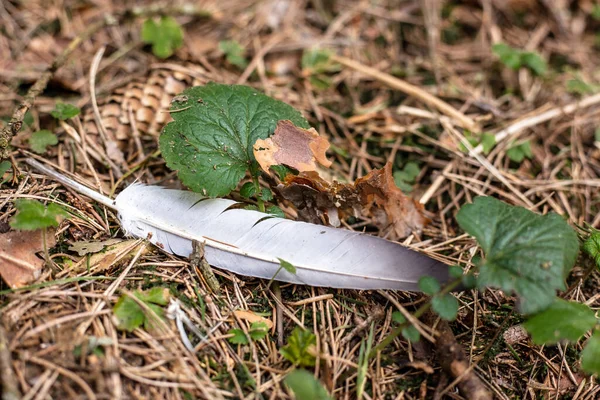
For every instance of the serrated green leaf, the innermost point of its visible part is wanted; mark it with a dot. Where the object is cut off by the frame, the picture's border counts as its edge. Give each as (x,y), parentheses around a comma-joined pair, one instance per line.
(64,111)
(128,314)
(165,36)
(305,386)
(40,140)
(590,356)
(526,253)
(563,320)
(592,247)
(239,337)
(488,141)
(411,334)
(258,330)
(32,215)
(210,141)
(248,190)
(287,266)
(266,194)
(234,53)
(445,306)
(429,285)
(297,350)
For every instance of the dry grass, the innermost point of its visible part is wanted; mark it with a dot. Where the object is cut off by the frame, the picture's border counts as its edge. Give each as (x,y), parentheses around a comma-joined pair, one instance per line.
(51,327)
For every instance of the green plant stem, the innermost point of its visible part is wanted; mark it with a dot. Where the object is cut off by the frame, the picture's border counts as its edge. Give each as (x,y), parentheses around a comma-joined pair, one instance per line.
(397,331)
(261,203)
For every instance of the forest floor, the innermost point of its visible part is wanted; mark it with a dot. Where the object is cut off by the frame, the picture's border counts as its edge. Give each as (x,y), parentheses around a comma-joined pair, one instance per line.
(58,334)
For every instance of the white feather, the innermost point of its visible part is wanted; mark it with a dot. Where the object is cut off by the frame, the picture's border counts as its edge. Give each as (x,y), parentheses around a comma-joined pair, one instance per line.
(251,243)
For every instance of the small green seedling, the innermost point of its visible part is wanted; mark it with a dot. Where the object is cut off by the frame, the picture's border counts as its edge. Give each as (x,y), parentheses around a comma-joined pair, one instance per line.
(32,215)
(591,246)
(316,65)
(40,140)
(258,330)
(234,52)
(282,265)
(64,111)
(516,59)
(405,178)
(305,386)
(298,351)
(165,36)
(519,151)
(444,304)
(409,333)
(130,315)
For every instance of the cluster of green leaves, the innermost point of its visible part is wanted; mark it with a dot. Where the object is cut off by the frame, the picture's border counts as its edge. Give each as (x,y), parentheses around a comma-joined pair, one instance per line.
(258,330)
(516,59)
(165,35)
(32,215)
(517,152)
(130,315)
(234,53)
(298,349)
(317,65)
(405,178)
(40,140)
(215,126)
(531,255)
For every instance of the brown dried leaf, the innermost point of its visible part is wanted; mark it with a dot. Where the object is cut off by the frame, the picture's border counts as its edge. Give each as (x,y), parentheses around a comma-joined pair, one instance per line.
(19,264)
(252,317)
(84,247)
(292,146)
(375,196)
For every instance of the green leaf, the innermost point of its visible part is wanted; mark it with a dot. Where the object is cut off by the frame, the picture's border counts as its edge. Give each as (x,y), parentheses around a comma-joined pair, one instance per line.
(520,151)
(275,211)
(234,53)
(563,320)
(469,281)
(596,11)
(406,176)
(411,334)
(157,295)
(398,318)
(488,141)
(590,356)
(266,194)
(40,140)
(455,271)
(508,56)
(579,86)
(297,349)
(526,253)
(596,135)
(4,167)
(64,111)
(282,171)
(32,215)
(258,330)
(287,266)
(429,285)
(128,314)
(534,62)
(445,306)
(210,140)
(239,337)
(592,246)
(317,61)
(248,190)
(165,36)
(305,386)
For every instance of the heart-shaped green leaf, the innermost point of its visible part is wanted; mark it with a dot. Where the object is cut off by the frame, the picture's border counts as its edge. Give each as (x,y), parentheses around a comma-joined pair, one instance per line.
(210,141)
(526,253)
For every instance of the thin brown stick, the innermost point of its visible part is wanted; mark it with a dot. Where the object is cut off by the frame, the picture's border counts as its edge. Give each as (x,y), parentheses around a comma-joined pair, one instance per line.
(411,90)
(455,362)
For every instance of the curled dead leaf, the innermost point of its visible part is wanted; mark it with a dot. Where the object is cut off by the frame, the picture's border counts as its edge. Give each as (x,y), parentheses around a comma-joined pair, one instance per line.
(295,147)
(19,263)
(252,317)
(84,247)
(374,196)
